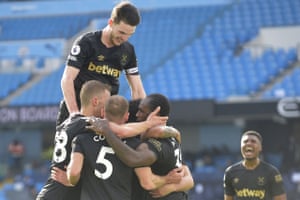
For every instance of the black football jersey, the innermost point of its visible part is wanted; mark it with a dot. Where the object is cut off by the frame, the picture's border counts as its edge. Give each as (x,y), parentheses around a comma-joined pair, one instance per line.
(64,135)
(169,156)
(104,176)
(262,183)
(97,62)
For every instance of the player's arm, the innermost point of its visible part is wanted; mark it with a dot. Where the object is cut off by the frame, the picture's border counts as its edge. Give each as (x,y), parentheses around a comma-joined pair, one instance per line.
(139,157)
(161,132)
(136,86)
(74,167)
(186,183)
(67,86)
(150,181)
(227,186)
(129,129)
(278,186)
(135,128)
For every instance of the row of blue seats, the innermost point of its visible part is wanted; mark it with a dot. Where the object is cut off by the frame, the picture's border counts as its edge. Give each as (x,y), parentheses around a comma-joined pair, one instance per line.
(206,68)
(32,48)
(214,43)
(43,27)
(12,81)
(289,86)
(164,31)
(46,92)
(32,96)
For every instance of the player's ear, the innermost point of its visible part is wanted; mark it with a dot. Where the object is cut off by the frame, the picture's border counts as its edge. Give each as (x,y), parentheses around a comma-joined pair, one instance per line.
(126,116)
(94,101)
(110,22)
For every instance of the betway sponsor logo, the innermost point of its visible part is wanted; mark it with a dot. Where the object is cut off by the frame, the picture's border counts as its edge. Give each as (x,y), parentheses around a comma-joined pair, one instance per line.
(104,69)
(251,193)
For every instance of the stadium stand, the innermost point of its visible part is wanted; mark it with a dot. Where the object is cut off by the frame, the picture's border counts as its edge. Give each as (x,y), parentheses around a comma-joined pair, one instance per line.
(42,93)
(287,87)
(201,56)
(212,57)
(13,81)
(202,53)
(44,27)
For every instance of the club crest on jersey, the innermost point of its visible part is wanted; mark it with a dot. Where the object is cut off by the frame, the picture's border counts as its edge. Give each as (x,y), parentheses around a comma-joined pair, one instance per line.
(260,180)
(100,57)
(236,180)
(156,144)
(124,60)
(75,50)
(278,178)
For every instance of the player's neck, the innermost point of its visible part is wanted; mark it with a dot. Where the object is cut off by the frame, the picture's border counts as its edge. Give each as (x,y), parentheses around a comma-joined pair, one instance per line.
(105,37)
(87,112)
(251,164)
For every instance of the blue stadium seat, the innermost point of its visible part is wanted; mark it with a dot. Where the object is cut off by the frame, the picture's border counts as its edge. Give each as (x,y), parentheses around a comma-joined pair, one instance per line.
(198,63)
(12,82)
(57,26)
(46,92)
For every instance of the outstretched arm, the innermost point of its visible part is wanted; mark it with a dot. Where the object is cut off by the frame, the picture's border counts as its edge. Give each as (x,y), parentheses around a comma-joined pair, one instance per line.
(135,128)
(152,128)
(161,132)
(129,129)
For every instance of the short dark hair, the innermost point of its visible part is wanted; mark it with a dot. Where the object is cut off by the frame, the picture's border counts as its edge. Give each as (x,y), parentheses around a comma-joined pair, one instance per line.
(155,100)
(133,109)
(126,12)
(254,133)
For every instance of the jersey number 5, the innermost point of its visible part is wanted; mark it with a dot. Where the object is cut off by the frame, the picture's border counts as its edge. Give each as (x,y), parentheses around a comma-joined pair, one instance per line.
(102,160)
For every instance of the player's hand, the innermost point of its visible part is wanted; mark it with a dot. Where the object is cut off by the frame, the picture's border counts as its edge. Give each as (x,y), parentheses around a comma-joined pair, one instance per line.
(162,191)
(96,124)
(175,175)
(60,176)
(155,119)
(172,177)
